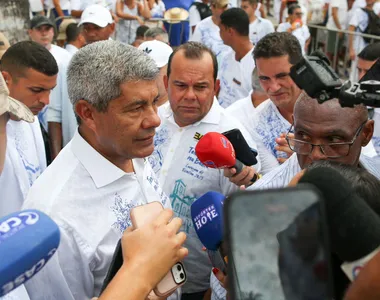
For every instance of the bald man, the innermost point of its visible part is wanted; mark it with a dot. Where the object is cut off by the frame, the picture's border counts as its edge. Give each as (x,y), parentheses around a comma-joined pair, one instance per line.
(324,132)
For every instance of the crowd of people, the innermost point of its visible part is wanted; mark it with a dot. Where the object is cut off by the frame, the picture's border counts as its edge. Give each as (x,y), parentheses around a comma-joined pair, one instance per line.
(109,111)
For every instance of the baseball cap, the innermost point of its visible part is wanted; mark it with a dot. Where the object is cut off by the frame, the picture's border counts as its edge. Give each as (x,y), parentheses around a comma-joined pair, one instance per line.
(62,28)
(96,14)
(14,107)
(220,3)
(39,20)
(4,44)
(158,51)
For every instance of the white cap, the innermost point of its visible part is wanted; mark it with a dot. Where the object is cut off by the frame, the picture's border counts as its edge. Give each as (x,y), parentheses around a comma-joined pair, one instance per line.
(157,50)
(96,14)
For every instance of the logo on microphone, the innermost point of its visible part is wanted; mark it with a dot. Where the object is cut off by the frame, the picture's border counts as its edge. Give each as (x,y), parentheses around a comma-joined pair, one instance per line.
(224,141)
(205,216)
(16,223)
(355,271)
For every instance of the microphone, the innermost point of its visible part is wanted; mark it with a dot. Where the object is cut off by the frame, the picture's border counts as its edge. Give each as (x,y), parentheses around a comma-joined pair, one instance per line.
(354,227)
(207,216)
(215,151)
(28,239)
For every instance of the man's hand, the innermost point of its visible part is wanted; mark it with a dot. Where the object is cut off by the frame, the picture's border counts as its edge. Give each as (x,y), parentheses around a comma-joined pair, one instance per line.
(141,21)
(243,178)
(282,145)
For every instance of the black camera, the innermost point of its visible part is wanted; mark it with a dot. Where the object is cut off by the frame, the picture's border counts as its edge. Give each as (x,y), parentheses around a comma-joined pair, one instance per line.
(314,75)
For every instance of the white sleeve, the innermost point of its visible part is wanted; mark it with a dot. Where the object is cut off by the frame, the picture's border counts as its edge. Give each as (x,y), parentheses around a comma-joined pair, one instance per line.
(269,28)
(67,275)
(281,28)
(306,32)
(197,36)
(267,159)
(54,112)
(76,5)
(355,19)
(335,3)
(194,16)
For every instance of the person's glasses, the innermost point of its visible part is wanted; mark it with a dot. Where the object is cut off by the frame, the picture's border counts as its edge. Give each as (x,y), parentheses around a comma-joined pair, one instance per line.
(300,14)
(332,150)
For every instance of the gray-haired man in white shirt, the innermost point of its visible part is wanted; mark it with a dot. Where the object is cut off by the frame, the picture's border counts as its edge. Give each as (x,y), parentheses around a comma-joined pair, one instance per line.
(96,180)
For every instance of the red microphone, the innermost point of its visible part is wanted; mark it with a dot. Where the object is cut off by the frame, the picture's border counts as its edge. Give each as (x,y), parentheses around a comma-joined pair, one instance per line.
(215,151)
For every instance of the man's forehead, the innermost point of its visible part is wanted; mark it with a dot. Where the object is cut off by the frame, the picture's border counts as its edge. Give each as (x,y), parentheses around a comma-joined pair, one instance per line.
(273,65)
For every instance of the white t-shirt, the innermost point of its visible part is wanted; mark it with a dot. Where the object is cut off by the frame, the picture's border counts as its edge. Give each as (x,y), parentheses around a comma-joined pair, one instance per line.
(18,294)
(184,178)
(158,10)
(71,49)
(207,33)
(235,78)
(90,199)
(269,124)
(281,176)
(25,161)
(60,109)
(35,5)
(258,29)
(373,147)
(302,34)
(342,14)
(65,4)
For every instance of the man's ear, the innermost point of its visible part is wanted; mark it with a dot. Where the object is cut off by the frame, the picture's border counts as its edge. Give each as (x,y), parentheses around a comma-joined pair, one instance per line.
(85,112)
(7,78)
(166,82)
(367,132)
(217,87)
(112,27)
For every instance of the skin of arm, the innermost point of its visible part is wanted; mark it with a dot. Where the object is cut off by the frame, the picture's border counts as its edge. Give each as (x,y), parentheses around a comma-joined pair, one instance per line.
(58,8)
(55,133)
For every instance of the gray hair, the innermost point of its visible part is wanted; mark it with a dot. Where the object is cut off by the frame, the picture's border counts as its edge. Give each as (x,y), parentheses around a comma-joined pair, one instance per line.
(154,32)
(97,70)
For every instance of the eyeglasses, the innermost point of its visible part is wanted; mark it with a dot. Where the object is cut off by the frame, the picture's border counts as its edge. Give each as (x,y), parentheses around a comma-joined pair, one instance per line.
(332,150)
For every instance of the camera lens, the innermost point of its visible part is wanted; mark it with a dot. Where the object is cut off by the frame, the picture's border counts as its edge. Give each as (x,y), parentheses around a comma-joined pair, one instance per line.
(182,275)
(179,268)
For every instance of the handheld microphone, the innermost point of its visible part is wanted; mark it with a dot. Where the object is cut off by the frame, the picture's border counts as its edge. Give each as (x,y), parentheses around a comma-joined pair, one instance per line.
(215,151)
(354,227)
(207,216)
(28,239)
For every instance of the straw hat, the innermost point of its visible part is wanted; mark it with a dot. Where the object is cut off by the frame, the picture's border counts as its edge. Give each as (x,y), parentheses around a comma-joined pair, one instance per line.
(63,27)
(176,15)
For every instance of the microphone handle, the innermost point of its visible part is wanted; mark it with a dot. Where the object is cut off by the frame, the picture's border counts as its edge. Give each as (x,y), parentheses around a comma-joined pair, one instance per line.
(238,166)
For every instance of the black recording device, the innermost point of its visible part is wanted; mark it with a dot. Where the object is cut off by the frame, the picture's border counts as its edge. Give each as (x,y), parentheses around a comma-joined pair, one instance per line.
(314,75)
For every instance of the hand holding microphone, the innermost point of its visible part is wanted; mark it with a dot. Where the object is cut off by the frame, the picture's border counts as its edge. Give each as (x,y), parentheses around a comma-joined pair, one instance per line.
(215,150)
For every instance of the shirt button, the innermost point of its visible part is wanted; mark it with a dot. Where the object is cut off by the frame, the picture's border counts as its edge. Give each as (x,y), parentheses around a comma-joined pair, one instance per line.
(180,130)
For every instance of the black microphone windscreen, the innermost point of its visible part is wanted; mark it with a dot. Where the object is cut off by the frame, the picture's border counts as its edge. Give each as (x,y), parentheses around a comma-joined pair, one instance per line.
(354,227)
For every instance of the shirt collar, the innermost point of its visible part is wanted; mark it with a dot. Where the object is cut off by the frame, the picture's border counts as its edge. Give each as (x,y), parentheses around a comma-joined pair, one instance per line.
(212,117)
(101,170)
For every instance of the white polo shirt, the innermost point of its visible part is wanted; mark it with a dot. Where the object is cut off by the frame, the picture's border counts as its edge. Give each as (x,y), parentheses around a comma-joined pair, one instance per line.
(269,124)
(71,49)
(207,33)
(60,109)
(302,34)
(25,161)
(90,199)
(259,28)
(281,176)
(235,78)
(184,178)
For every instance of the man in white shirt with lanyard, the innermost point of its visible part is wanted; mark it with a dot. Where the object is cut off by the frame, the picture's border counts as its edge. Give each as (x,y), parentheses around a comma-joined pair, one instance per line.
(236,68)
(258,27)
(324,132)
(95,181)
(207,30)
(191,112)
(30,73)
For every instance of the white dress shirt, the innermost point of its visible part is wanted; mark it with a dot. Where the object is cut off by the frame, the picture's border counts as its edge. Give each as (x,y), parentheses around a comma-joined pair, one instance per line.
(25,161)
(235,78)
(281,176)
(302,34)
(259,28)
(90,199)
(207,33)
(373,147)
(184,178)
